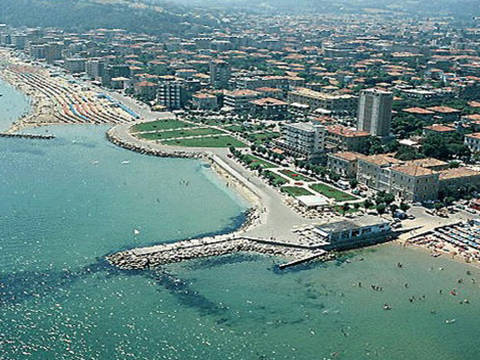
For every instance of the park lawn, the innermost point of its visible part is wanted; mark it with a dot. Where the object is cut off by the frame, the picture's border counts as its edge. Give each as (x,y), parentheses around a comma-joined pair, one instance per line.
(295,176)
(333,193)
(263,163)
(235,128)
(160,125)
(277,179)
(261,138)
(212,141)
(171,134)
(296,191)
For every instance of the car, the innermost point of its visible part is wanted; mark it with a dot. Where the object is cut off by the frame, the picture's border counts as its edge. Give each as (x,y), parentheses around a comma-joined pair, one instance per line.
(411,217)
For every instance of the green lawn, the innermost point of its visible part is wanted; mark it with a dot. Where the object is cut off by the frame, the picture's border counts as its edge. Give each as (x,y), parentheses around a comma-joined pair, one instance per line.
(331,192)
(264,163)
(214,141)
(295,176)
(259,138)
(277,179)
(296,191)
(160,125)
(165,135)
(234,128)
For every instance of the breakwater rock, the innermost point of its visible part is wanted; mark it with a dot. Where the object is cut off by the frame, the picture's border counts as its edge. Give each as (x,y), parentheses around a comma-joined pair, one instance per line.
(28,136)
(114,138)
(200,248)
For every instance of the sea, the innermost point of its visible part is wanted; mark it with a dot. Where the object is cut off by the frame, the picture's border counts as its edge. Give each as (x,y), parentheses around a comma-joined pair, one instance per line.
(67,203)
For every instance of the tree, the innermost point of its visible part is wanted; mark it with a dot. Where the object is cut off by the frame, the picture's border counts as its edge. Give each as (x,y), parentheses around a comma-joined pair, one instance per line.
(439,205)
(393,208)
(368,204)
(334,177)
(353,183)
(404,206)
(345,208)
(388,198)
(381,208)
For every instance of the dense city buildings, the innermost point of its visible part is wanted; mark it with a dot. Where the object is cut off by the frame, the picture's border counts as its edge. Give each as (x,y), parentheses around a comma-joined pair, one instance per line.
(361,97)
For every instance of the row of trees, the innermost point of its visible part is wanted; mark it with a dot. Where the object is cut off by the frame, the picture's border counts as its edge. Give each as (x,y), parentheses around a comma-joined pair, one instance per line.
(267,153)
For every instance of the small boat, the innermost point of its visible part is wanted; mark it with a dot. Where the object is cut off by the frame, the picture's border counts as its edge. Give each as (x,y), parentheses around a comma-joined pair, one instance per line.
(450,321)
(125,162)
(136,232)
(387,307)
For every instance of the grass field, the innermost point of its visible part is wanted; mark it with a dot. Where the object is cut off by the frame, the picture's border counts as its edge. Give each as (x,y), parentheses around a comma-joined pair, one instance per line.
(277,179)
(264,163)
(170,134)
(259,138)
(296,191)
(333,193)
(213,142)
(295,176)
(159,125)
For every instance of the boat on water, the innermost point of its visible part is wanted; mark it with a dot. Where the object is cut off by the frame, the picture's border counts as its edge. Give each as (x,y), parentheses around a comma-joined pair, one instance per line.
(450,321)
(125,162)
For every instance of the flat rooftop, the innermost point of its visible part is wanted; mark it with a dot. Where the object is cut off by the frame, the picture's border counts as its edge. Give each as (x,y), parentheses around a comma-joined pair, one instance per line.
(361,222)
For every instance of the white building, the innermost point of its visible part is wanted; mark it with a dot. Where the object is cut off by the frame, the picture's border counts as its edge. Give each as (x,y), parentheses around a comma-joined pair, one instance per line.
(302,139)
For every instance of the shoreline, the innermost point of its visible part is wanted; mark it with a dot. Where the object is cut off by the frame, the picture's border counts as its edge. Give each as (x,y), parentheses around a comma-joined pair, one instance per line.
(41,107)
(40,112)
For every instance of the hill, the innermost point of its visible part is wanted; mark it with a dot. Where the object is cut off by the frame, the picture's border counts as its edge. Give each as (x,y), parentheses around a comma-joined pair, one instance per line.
(132,15)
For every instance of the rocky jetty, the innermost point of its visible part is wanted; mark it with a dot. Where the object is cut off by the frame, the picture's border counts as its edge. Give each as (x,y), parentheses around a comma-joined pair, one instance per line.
(200,248)
(147,150)
(28,136)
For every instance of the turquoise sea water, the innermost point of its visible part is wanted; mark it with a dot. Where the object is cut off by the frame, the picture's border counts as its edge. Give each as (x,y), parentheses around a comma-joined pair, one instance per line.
(66,203)
(13,104)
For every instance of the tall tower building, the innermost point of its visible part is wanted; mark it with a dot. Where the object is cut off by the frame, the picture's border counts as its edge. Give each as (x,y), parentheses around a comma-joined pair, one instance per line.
(375,112)
(220,72)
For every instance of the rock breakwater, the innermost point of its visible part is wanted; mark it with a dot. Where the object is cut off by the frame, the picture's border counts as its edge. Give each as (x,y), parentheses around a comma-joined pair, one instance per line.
(201,248)
(147,150)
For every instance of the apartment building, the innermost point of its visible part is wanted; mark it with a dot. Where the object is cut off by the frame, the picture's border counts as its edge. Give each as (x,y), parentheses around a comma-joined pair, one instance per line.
(473,142)
(414,183)
(374,171)
(341,138)
(302,140)
(220,72)
(344,163)
(171,94)
(240,100)
(335,103)
(375,112)
(203,101)
(270,108)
